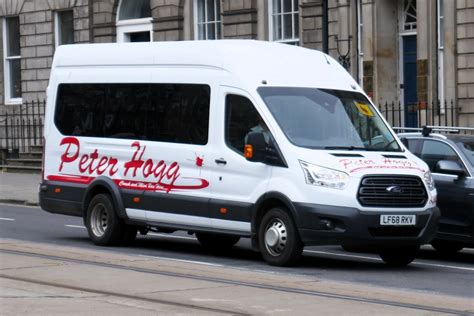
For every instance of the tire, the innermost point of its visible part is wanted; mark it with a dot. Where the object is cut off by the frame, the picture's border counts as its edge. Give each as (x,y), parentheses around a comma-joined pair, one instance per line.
(399,257)
(279,241)
(103,225)
(130,234)
(446,247)
(217,242)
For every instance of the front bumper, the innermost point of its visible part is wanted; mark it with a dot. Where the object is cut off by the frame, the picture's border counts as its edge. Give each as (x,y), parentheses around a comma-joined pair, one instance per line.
(325,224)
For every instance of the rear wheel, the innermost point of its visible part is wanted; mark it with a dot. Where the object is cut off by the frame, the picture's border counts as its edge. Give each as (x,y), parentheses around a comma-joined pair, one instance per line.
(103,225)
(279,241)
(400,256)
(217,242)
(446,247)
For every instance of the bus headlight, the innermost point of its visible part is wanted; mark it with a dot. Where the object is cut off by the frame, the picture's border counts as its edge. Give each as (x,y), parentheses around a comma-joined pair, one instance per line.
(429,180)
(324,177)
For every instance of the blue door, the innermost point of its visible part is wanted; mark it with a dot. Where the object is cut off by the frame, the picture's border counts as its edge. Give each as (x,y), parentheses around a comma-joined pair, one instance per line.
(409,80)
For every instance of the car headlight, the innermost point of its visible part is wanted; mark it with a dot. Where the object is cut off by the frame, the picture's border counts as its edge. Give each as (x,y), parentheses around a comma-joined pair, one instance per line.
(324,177)
(429,180)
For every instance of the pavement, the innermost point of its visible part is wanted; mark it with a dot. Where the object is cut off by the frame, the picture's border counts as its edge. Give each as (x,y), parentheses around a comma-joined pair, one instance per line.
(19,188)
(52,280)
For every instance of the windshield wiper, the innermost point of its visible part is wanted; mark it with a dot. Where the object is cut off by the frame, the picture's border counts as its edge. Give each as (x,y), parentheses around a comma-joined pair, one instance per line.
(345,148)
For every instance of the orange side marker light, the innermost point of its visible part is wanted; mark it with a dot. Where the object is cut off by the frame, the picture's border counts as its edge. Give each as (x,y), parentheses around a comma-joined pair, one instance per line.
(248,151)
(223,210)
(136,200)
(57,190)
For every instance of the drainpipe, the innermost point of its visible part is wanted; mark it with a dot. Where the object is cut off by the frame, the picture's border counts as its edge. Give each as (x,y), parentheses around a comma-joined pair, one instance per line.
(325,27)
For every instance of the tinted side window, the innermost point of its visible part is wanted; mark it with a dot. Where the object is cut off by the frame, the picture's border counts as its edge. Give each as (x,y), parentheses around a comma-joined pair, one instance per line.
(177,113)
(434,151)
(414,145)
(241,118)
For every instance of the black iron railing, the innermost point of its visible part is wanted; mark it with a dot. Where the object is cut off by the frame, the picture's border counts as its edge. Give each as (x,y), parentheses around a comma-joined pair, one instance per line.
(22,127)
(420,114)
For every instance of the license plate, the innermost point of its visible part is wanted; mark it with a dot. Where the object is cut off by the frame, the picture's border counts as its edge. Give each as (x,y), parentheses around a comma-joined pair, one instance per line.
(398,220)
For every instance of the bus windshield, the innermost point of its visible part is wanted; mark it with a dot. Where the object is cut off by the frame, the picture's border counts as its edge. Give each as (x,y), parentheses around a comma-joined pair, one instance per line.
(328,119)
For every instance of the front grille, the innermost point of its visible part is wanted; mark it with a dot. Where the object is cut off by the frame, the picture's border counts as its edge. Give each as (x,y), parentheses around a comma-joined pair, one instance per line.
(394,231)
(409,191)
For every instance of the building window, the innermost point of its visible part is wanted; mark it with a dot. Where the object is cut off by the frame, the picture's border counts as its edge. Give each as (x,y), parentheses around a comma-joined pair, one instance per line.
(12,59)
(284,21)
(64,27)
(134,21)
(409,15)
(440,9)
(208,22)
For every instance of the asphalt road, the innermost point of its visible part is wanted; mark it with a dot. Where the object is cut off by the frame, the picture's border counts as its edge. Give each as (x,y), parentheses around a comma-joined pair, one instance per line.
(430,272)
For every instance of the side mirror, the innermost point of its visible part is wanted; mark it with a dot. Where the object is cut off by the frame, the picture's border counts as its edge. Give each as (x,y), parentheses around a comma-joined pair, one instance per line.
(258,150)
(449,167)
(255,147)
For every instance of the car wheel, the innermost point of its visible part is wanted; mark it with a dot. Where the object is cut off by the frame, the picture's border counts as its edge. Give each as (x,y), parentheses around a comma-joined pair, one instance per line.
(216,242)
(446,247)
(103,225)
(400,256)
(279,241)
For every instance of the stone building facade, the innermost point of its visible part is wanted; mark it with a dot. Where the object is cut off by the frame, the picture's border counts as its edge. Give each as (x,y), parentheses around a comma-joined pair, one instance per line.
(414,52)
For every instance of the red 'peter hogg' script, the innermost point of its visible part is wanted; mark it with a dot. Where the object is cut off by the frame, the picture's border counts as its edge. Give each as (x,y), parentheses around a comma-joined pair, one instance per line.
(164,177)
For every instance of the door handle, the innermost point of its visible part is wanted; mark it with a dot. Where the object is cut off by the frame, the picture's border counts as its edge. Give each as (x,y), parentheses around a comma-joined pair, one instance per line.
(221,161)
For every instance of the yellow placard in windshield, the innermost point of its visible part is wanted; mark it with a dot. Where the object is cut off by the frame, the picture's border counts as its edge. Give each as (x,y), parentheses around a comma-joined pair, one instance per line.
(364,109)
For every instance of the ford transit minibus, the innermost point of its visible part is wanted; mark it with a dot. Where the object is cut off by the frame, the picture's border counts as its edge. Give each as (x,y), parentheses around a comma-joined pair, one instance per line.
(229,139)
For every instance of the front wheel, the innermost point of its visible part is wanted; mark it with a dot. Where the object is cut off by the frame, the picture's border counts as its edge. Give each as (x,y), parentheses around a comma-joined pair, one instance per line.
(400,256)
(279,241)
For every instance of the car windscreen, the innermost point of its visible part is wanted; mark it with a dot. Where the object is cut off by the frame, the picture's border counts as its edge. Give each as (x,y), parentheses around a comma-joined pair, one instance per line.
(328,119)
(467,146)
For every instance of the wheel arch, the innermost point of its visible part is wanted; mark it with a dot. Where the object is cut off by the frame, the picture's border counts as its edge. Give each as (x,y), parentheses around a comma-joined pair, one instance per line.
(107,186)
(266,202)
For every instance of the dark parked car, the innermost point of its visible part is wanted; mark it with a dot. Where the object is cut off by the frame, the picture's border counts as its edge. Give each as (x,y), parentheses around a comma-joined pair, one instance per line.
(450,158)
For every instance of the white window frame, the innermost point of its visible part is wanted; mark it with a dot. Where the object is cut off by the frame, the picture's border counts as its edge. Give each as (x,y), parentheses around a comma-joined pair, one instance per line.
(412,26)
(125,27)
(6,67)
(57,30)
(217,23)
(440,31)
(294,14)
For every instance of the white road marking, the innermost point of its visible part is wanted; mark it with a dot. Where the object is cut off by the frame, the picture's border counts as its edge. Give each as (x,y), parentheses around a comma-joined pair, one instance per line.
(171,236)
(75,226)
(377,259)
(342,255)
(181,260)
(442,266)
(19,205)
(6,219)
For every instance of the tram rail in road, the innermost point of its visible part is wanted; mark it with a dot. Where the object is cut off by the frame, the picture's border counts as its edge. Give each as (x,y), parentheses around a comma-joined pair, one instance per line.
(327,275)
(155,269)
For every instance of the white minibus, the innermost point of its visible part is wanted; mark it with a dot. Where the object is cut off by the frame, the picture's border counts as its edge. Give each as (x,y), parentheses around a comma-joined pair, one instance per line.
(229,139)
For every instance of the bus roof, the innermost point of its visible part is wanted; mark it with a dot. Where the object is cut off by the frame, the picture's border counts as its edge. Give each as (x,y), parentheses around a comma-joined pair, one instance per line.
(249,60)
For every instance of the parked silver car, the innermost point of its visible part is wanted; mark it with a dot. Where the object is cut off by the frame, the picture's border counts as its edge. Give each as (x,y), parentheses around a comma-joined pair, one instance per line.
(450,158)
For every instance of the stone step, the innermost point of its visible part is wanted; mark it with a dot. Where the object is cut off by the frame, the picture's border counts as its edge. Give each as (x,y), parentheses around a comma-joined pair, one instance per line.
(31,155)
(24,162)
(20,169)
(36,148)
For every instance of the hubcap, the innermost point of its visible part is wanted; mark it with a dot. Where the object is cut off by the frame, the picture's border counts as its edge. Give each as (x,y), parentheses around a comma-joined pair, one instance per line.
(275,237)
(99,220)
